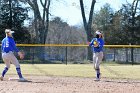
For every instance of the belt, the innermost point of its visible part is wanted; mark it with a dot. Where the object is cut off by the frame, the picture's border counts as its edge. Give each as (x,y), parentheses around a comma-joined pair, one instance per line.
(97,52)
(7,52)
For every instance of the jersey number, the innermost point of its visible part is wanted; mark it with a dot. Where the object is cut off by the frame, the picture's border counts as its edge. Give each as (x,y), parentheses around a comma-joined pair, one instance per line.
(7,43)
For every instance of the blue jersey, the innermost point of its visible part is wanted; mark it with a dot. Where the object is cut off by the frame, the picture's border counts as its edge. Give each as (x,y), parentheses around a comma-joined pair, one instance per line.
(100,47)
(8,44)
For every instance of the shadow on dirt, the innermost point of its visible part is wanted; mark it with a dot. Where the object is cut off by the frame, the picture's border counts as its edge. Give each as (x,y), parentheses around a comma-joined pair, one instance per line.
(124,82)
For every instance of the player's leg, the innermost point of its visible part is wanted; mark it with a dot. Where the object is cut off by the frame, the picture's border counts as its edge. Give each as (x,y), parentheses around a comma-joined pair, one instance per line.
(17,65)
(6,60)
(100,56)
(97,68)
(94,59)
(96,65)
(98,62)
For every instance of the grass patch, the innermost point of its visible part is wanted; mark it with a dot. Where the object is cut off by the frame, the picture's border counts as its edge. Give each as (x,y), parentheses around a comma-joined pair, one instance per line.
(78,70)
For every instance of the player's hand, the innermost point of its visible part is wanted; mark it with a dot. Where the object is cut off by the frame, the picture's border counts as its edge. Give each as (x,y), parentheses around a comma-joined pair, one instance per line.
(88,43)
(21,55)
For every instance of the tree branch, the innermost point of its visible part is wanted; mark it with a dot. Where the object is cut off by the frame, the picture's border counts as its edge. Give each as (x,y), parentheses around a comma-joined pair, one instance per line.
(91,12)
(83,14)
(44,8)
(31,4)
(136,6)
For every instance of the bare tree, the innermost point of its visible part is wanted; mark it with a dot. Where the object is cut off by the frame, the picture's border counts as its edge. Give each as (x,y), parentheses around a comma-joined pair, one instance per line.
(133,14)
(88,24)
(41,23)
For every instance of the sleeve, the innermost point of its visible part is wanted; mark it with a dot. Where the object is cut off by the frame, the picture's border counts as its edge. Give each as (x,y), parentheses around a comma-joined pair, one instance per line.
(14,45)
(2,45)
(91,43)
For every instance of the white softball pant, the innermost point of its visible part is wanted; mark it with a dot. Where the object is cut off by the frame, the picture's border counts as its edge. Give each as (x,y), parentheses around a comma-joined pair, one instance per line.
(97,59)
(9,58)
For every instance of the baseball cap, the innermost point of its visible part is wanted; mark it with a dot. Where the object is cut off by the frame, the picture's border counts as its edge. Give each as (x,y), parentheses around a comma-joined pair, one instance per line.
(9,31)
(98,32)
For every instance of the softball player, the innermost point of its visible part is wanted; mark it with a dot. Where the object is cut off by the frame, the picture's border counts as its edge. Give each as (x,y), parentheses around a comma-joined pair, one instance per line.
(7,48)
(97,44)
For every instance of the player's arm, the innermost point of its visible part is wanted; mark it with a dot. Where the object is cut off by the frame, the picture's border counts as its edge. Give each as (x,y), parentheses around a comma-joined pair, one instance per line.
(1,46)
(91,43)
(14,45)
(21,55)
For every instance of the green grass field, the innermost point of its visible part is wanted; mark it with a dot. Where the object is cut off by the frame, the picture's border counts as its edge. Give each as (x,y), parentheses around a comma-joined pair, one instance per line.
(78,70)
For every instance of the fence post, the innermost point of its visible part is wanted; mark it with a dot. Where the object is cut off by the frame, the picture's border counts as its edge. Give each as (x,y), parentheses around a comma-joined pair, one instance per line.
(132,56)
(126,54)
(66,55)
(33,55)
(114,55)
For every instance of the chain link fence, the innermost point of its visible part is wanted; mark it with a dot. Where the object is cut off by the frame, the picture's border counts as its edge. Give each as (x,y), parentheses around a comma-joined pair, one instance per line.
(122,55)
(75,54)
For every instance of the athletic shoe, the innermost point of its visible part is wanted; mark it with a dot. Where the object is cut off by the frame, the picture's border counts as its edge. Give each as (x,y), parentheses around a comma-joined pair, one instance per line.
(97,79)
(1,78)
(22,80)
(98,75)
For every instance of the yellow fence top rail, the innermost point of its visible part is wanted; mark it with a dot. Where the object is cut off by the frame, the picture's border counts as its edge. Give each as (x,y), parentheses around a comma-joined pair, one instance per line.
(76,45)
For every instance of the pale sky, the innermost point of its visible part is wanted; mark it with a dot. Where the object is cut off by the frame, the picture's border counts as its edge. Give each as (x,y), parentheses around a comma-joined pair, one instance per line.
(69,10)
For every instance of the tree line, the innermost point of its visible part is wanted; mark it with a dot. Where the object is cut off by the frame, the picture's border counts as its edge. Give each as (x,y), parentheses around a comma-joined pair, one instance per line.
(118,27)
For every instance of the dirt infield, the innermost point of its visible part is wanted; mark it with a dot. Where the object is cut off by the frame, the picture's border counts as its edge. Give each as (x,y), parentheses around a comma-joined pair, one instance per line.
(53,84)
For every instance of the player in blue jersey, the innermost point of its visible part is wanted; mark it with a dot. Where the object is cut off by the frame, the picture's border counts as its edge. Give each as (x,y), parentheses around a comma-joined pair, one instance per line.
(97,44)
(7,48)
